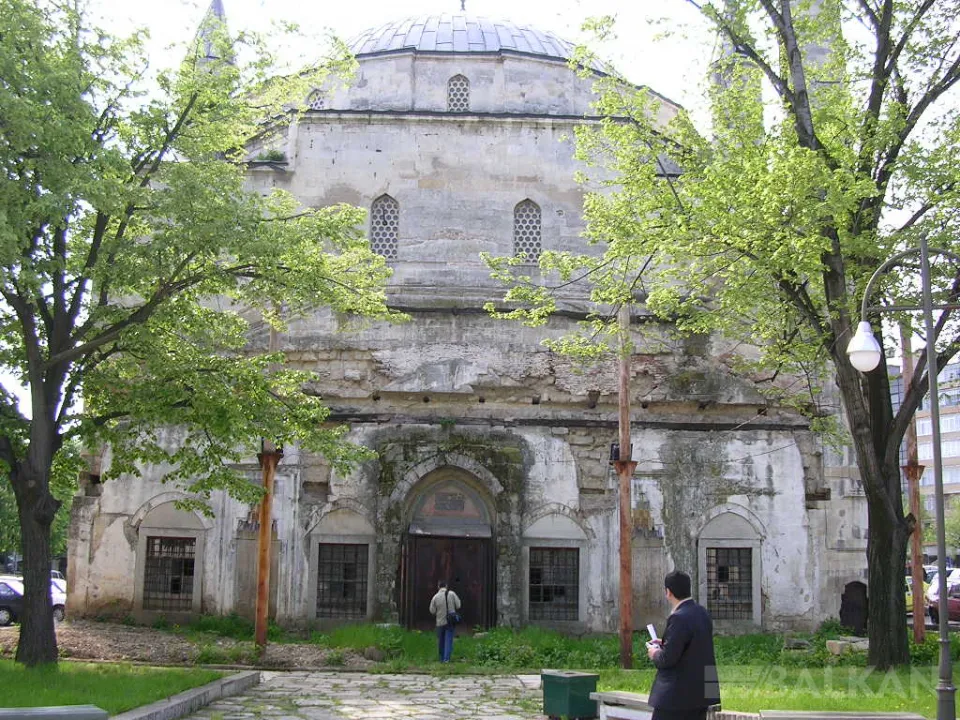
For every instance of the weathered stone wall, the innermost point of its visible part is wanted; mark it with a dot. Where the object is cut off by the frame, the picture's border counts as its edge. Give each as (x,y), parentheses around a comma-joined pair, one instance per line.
(453,390)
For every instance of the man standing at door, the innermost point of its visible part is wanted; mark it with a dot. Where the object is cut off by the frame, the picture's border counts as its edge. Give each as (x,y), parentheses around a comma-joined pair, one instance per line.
(443,604)
(686,683)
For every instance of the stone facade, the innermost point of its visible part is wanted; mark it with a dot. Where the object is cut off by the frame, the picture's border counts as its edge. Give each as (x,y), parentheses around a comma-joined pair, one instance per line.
(493,452)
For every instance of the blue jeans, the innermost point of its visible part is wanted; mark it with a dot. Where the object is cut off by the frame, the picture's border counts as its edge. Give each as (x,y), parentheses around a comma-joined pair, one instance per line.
(445,642)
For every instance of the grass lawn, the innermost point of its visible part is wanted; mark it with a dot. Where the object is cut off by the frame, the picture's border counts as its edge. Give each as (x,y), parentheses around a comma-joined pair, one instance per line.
(755,688)
(115,688)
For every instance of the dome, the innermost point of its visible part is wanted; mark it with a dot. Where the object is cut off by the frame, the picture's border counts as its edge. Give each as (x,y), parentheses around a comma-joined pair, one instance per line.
(462,33)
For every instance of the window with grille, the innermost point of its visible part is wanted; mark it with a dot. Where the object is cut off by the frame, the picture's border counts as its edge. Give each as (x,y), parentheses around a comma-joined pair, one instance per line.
(168,573)
(458,94)
(526,230)
(342,581)
(730,583)
(384,226)
(554,584)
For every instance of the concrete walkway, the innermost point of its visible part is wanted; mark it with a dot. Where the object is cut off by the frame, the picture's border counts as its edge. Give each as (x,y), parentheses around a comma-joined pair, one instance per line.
(357,696)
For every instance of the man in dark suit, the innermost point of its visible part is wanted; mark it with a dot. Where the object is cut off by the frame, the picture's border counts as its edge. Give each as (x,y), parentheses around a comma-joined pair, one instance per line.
(686,683)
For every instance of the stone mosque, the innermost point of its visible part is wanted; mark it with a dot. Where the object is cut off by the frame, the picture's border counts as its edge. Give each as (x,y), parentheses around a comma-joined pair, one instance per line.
(492,468)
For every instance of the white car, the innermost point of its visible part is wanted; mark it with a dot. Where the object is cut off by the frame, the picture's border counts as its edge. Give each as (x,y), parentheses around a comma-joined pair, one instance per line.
(58,597)
(953,580)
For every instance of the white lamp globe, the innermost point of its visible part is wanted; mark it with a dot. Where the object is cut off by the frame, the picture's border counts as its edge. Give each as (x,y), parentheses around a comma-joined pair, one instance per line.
(864,350)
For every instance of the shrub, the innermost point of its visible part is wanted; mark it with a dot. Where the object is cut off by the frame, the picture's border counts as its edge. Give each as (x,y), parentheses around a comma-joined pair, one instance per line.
(336,658)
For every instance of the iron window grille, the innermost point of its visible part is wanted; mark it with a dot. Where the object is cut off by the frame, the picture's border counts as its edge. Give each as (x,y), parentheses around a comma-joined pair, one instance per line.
(342,581)
(554,584)
(168,574)
(730,583)
(385,226)
(458,94)
(526,231)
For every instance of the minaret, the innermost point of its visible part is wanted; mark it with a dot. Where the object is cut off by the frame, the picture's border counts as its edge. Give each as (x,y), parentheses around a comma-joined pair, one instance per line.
(215,18)
(735,84)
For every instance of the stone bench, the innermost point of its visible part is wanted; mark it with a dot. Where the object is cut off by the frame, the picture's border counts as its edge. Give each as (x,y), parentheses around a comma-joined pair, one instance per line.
(57,712)
(615,705)
(820,715)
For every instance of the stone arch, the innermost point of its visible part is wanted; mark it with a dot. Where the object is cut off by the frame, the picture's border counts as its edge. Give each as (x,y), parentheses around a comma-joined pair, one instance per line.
(341,552)
(548,509)
(740,511)
(563,547)
(729,568)
(170,555)
(448,460)
(165,498)
(475,495)
(347,504)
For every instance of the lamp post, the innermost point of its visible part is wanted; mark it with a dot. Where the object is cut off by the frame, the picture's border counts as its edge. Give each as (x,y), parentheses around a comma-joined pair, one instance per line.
(865,353)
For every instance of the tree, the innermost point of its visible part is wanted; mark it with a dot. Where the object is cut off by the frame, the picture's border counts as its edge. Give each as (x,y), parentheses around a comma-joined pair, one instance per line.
(833,146)
(133,258)
(63,485)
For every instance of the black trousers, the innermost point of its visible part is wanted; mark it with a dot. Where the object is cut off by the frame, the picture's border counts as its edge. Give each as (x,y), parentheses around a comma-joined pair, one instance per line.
(692,714)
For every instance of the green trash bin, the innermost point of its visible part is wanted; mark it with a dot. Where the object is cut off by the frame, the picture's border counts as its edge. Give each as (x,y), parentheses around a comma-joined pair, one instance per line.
(566,694)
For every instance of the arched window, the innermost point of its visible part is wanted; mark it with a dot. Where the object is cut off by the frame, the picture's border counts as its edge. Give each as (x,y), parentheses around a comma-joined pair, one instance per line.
(526,230)
(384,226)
(316,100)
(458,94)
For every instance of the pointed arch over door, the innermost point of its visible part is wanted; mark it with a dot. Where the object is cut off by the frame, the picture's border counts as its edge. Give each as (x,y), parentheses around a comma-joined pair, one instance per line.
(450,536)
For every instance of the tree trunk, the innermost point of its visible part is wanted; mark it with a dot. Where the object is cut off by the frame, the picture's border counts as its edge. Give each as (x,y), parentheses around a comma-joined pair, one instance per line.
(886,619)
(868,410)
(36,508)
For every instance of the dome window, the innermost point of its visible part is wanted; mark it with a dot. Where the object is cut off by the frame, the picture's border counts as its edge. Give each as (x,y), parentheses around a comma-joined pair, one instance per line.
(316,101)
(526,230)
(385,226)
(458,94)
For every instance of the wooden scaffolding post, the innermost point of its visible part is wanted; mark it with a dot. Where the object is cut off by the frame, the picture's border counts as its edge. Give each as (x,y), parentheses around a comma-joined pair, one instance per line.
(269,458)
(625,467)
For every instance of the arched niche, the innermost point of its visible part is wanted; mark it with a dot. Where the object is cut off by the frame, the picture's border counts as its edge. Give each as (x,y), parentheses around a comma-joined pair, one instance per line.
(169,516)
(728,526)
(342,570)
(729,568)
(555,568)
(448,502)
(170,560)
(344,522)
(450,526)
(555,527)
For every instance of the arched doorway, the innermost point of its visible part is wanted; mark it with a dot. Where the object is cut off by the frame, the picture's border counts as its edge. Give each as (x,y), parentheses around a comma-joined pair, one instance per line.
(450,536)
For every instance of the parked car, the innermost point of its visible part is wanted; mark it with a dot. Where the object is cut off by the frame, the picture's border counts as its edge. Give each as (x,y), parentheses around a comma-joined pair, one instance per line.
(953,605)
(11,600)
(908,589)
(953,578)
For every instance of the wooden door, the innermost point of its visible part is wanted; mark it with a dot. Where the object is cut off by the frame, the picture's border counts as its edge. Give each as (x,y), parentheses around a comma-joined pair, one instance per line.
(466,565)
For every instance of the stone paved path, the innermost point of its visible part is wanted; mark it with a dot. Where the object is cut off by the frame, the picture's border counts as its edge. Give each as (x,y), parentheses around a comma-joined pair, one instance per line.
(360,696)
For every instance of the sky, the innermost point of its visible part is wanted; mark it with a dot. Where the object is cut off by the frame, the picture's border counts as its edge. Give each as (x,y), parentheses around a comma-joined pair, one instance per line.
(663,44)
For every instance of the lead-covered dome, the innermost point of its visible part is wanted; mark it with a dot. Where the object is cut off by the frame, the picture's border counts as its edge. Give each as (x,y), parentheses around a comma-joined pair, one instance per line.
(447,33)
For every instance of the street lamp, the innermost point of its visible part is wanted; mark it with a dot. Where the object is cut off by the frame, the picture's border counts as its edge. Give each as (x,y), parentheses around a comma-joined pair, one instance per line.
(864,352)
